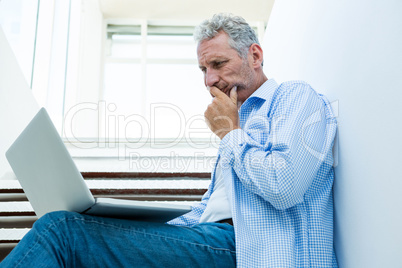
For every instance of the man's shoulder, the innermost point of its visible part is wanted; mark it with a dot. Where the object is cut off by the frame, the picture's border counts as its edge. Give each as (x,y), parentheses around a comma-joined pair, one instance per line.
(294,89)
(295,85)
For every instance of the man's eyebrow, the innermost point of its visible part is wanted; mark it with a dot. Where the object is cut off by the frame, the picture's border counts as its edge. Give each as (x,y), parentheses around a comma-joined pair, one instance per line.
(213,61)
(217,58)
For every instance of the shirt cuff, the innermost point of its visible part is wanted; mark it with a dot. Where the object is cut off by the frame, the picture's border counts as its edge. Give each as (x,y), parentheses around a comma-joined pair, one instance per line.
(231,145)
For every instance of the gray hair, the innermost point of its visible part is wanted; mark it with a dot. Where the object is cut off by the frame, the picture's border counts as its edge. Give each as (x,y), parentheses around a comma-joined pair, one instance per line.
(241,35)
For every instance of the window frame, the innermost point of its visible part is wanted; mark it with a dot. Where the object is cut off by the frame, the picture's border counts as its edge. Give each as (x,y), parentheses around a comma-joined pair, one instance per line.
(87,148)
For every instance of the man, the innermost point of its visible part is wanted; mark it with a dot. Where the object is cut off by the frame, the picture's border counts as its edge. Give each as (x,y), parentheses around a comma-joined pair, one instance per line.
(269,203)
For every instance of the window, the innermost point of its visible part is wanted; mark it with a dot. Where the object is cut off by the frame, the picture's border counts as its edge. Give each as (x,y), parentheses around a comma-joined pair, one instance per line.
(18,20)
(151,88)
(118,87)
(151,71)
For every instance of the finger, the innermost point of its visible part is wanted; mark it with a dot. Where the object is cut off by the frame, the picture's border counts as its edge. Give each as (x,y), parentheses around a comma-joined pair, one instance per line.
(233,94)
(216,92)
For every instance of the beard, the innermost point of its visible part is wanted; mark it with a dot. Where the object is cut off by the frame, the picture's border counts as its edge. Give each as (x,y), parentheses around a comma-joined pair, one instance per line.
(246,73)
(244,83)
(245,87)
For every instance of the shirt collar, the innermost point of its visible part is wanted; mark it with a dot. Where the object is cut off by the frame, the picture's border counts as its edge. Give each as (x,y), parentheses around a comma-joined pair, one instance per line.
(266,90)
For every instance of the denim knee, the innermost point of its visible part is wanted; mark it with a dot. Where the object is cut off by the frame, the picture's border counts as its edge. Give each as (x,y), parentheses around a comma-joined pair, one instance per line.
(54,219)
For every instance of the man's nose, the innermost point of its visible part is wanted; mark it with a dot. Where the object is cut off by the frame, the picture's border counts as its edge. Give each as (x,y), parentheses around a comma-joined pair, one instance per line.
(211,78)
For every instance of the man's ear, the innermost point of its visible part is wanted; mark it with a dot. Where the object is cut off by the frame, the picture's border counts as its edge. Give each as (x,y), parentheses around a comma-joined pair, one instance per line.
(255,51)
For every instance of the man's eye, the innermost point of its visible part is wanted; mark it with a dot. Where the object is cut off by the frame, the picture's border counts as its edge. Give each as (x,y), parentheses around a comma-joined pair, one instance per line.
(219,64)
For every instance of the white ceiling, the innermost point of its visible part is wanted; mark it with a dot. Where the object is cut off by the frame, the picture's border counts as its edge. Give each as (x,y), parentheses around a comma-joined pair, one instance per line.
(187,10)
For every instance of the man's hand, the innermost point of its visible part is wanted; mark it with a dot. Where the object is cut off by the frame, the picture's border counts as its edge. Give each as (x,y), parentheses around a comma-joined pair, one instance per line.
(222,115)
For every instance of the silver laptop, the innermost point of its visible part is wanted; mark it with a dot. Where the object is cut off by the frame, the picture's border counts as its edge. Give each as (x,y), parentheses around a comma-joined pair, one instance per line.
(52,182)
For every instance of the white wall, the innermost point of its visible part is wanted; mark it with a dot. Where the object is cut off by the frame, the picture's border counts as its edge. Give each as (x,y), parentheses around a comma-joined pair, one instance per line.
(352,52)
(17,104)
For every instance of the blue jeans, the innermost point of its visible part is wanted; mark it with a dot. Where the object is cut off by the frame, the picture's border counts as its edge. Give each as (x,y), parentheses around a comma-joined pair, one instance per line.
(68,239)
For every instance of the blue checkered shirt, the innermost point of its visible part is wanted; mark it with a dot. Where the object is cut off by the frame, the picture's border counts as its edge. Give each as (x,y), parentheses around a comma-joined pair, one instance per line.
(278,169)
